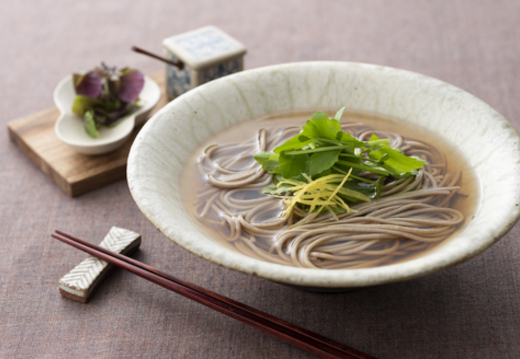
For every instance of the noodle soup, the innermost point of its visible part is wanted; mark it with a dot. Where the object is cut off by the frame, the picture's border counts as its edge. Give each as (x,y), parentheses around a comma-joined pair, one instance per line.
(221,187)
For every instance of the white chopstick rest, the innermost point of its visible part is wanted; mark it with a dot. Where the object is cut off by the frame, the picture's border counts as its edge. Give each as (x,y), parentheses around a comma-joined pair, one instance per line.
(81,282)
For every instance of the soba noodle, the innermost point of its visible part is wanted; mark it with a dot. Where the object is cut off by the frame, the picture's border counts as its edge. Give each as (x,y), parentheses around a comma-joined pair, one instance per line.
(411,216)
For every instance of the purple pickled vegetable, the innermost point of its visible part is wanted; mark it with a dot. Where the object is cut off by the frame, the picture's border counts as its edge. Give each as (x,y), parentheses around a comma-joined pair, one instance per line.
(131,84)
(89,84)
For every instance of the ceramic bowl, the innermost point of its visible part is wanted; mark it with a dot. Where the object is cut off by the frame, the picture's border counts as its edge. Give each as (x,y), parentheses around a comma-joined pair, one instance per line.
(69,127)
(485,139)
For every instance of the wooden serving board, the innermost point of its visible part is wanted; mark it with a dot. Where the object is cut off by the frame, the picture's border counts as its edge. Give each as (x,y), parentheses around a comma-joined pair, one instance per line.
(75,173)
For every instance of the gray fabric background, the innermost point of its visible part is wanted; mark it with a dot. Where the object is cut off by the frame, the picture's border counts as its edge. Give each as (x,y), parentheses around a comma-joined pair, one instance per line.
(470,311)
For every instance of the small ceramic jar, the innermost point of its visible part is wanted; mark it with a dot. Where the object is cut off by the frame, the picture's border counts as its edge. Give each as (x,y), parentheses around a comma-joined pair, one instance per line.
(206,54)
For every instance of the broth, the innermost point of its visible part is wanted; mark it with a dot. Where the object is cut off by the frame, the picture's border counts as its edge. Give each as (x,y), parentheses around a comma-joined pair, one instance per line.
(263,242)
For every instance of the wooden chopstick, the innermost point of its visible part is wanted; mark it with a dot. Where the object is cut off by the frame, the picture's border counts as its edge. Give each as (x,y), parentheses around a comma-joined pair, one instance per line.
(178,64)
(293,334)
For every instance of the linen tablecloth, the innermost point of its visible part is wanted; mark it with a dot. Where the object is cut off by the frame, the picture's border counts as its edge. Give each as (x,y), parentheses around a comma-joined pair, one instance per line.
(469,311)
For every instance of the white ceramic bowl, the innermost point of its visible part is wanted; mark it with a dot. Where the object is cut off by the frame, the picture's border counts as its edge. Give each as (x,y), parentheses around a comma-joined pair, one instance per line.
(69,127)
(487,141)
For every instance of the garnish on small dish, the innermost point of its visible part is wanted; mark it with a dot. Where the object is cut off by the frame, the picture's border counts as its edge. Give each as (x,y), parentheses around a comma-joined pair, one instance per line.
(105,95)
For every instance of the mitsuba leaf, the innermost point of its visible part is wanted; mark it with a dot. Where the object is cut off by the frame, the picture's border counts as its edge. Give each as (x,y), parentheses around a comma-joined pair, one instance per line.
(291,166)
(89,84)
(364,167)
(294,143)
(262,157)
(353,195)
(339,114)
(272,167)
(322,161)
(269,161)
(394,161)
(347,139)
(131,83)
(366,190)
(320,126)
(320,131)
(299,178)
(280,190)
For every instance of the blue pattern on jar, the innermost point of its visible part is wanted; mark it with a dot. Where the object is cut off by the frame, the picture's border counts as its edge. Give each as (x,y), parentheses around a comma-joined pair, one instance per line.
(222,69)
(177,81)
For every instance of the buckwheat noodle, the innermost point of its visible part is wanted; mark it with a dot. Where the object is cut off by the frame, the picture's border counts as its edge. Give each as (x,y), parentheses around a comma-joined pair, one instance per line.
(411,216)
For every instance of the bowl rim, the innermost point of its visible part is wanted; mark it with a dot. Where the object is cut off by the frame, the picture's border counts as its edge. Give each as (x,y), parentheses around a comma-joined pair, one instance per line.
(340,278)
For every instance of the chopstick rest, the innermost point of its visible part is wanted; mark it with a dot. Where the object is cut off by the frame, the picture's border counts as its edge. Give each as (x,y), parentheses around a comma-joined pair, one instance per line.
(82,281)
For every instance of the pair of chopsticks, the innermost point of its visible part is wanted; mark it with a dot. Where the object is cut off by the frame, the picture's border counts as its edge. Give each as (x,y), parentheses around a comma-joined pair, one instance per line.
(293,334)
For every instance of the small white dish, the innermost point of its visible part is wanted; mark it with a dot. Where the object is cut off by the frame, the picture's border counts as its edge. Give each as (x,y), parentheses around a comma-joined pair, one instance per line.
(69,127)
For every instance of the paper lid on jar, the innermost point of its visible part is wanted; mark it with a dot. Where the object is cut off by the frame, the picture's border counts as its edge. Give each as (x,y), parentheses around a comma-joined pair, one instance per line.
(204,47)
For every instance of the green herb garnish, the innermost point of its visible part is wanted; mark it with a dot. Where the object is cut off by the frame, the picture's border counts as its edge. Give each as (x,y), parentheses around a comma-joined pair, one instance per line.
(321,156)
